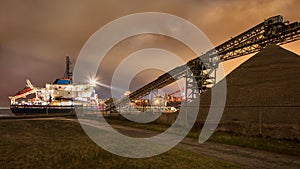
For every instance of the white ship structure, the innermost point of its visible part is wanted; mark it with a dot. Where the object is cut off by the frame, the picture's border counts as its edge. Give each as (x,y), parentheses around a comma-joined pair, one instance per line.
(61,96)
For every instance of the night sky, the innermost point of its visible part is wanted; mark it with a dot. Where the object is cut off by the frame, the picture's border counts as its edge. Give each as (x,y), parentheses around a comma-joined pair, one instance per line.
(36,35)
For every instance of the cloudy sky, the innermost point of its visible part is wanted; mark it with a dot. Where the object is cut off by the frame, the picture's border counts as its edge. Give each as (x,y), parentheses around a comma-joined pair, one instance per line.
(36,35)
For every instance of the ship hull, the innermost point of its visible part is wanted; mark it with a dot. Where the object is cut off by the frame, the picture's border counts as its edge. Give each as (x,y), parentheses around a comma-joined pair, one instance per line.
(43,110)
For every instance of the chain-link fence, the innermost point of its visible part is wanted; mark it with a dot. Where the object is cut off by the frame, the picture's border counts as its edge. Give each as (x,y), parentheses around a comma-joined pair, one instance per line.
(282,122)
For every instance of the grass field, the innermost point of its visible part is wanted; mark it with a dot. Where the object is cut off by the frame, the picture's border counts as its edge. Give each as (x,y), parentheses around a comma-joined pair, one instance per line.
(256,142)
(63,144)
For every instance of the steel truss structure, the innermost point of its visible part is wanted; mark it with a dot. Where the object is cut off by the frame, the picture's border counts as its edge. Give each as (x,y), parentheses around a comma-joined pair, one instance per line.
(200,73)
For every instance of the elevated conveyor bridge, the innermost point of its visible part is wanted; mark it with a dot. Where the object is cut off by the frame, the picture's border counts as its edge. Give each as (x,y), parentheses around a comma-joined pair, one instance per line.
(274,30)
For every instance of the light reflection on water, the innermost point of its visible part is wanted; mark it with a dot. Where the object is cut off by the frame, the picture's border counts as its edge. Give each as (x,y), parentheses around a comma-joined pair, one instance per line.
(5,112)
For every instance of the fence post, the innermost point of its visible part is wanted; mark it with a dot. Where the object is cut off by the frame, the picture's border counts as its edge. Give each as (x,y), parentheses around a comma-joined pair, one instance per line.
(260,120)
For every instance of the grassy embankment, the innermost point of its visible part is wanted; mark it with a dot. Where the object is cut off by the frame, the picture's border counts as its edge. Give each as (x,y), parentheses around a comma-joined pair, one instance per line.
(63,144)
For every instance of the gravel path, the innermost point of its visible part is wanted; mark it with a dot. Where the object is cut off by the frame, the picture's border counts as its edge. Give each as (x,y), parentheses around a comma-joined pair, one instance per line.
(240,155)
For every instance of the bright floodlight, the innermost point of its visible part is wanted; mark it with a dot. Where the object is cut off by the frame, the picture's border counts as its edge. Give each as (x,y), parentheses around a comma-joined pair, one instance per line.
(93,82)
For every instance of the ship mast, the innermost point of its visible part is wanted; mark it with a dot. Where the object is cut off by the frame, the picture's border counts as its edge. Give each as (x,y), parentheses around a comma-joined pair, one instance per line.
(68,74)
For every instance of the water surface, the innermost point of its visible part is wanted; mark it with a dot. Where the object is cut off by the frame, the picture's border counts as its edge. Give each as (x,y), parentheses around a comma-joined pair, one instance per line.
(5,111)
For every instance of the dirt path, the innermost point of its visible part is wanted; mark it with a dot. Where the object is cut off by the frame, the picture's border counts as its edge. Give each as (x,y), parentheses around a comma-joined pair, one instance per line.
(249,158)
(244,156)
